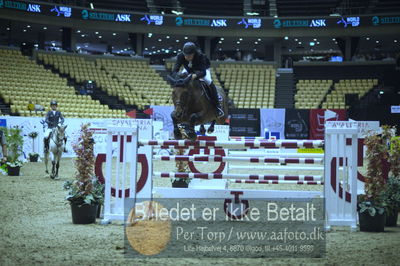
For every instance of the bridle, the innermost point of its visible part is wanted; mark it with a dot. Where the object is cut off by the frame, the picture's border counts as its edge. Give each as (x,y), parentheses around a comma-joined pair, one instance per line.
(59,141)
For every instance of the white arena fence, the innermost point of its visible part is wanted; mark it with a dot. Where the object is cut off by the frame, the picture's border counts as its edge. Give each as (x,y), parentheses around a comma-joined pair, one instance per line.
(131,147)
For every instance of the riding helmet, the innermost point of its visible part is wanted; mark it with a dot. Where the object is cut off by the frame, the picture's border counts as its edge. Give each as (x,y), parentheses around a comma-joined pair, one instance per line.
(53,102)
(189,48)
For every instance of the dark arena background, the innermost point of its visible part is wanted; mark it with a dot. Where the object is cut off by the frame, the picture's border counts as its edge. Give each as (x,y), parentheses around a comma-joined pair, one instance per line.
(283,63)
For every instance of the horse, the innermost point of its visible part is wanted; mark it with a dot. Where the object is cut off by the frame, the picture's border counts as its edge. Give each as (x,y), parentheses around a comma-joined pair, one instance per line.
(56,147)
(193,106)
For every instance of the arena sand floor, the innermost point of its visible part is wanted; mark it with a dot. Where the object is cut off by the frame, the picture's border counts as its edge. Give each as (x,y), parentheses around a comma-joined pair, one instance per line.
(36,228)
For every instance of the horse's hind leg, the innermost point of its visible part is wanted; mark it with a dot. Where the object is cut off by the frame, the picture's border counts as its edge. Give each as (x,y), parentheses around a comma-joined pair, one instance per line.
(46,160)
(211,127)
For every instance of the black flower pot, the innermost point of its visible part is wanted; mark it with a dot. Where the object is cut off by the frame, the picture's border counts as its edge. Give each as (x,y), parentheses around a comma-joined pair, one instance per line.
(33,158)
(84,214)
(13,171)
(370,223)
(180,183)
(391,218)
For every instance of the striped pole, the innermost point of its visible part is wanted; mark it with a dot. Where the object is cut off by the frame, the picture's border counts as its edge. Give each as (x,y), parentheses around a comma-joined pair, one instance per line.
(239,176)
(245,181)
(254,144)
(269,167)
(218,158)
(276,155)
(246,138)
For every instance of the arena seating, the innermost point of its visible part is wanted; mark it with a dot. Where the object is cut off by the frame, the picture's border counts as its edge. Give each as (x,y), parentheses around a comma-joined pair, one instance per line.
(131,80)
(249,85)
(147,86)
(310,93)
(23,80)
(336,98)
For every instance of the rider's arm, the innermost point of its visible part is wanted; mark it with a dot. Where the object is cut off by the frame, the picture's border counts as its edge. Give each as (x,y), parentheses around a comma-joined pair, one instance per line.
(47,121)
(61,118)
(201,68)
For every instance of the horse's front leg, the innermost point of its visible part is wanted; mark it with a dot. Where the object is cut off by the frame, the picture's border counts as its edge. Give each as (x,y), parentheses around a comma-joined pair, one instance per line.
(194,119)
(177,132)
(202,130)
(46,161)
(211,127)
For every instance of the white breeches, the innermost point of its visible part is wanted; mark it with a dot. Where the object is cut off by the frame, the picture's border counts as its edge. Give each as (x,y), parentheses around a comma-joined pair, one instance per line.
(207,78)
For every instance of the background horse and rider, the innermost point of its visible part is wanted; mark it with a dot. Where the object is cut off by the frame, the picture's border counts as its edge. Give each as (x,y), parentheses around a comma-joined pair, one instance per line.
(56,148)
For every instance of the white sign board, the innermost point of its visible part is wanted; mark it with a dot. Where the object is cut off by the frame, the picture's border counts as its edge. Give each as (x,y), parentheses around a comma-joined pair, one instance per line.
(395,109)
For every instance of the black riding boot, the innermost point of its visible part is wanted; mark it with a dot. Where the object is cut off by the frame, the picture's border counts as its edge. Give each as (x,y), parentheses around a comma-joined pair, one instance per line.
(65,145)
(218,106)
(46,145)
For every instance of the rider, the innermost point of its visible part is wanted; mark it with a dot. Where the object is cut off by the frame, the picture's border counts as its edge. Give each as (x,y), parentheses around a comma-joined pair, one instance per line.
(198,65)
(53,117)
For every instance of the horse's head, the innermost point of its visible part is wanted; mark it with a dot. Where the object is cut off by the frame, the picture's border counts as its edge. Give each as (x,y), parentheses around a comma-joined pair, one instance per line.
(180,97)
(180,94)
(61,131)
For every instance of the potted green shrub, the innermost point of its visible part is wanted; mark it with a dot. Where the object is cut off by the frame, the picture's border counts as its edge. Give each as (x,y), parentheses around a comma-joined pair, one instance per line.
(15,143)
(85,193)
(371,205)
(392,193)
(33,156)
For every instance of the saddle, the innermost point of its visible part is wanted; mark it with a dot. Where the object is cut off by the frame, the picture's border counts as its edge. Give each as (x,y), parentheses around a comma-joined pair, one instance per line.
(207,91)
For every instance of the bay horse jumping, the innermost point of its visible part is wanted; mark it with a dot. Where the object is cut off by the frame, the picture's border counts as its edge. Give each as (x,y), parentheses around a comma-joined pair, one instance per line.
(193,106)
(56,147)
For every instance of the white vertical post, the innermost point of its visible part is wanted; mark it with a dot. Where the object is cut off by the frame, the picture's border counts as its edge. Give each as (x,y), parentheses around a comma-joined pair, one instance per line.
(107,196)
(124,162)
(353,179)
(133,171)
(114,207)
(340,212)
(117,174)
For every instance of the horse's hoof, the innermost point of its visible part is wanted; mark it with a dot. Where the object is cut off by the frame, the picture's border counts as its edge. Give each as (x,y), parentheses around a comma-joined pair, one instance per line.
(210,130)
(47,172)
(52,176)
(177,134)
(192,135)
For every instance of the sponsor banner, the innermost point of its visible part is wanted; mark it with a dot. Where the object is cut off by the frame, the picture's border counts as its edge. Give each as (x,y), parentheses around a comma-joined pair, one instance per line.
(395,109)
(30,124)
(318,118)
(310,150)
(272,123)
(163,113)
(245,122)
(297,123)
